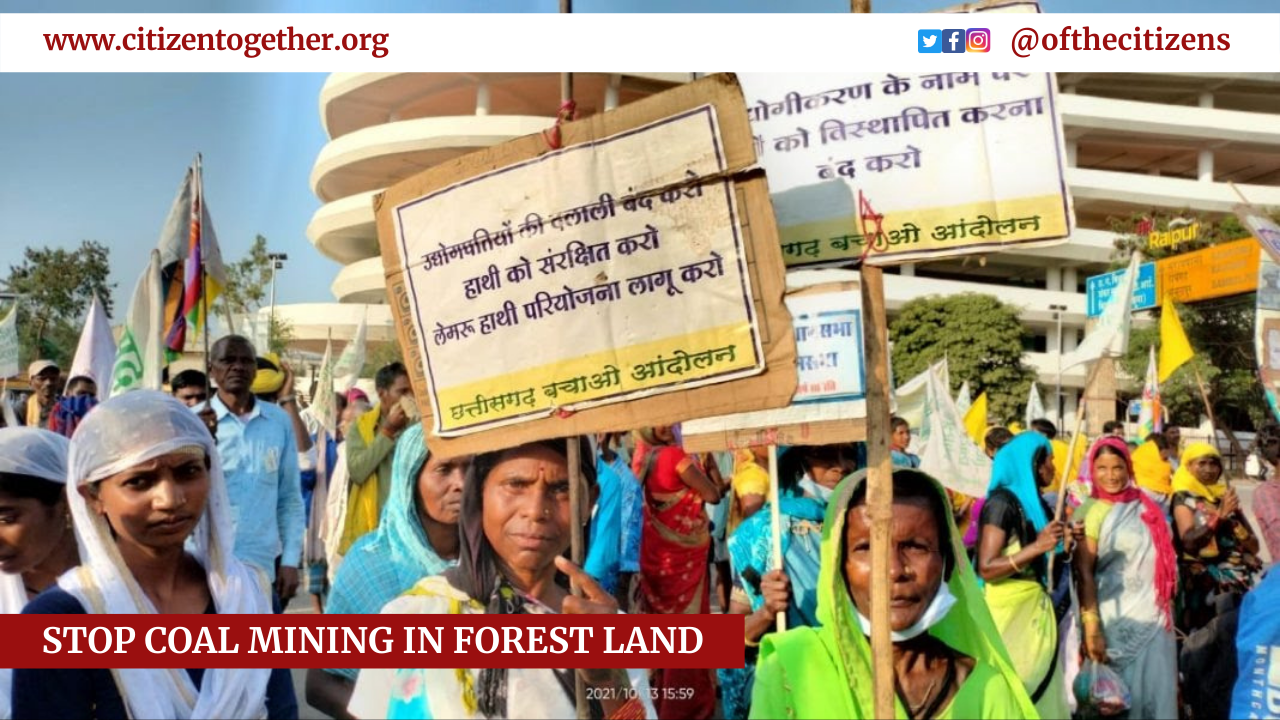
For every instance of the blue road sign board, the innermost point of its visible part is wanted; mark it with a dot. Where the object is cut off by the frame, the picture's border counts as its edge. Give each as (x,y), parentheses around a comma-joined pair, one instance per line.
(1101,287)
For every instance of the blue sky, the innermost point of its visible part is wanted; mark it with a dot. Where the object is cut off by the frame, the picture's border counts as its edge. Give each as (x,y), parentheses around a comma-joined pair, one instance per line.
(99,157)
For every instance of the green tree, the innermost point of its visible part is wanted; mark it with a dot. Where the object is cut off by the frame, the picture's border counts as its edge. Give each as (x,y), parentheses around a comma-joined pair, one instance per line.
(982,339)
(380,355)
(56,287)
(1221,333)
(248,288)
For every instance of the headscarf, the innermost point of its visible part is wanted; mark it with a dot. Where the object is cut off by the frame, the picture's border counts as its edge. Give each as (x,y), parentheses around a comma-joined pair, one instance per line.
(269,378)
(1014,470)
(123,432)
(1152,516)
(386,562)
(967,628)
(1186,481)
(477,573)
(39,454)
(69,412)
(1150,470)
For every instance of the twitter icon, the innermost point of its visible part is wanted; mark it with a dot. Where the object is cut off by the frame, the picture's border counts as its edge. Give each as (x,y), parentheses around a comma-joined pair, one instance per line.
(928,41)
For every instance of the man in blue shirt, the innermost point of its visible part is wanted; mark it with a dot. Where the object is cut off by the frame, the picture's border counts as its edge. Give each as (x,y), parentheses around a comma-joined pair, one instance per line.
(260,461)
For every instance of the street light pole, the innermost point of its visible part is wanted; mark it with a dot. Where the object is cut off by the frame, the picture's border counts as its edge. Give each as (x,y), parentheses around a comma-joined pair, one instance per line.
(1057,315)
(277,263)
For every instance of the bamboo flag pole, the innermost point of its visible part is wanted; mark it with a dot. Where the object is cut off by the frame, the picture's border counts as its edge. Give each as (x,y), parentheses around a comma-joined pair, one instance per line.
(775,518)
(879,486)
(1081,411)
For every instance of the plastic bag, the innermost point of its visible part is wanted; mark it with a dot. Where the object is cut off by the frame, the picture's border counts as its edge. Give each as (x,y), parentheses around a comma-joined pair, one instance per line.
(1100,691)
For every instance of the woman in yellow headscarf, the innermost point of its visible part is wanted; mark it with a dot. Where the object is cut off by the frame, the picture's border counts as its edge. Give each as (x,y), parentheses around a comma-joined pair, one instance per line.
(1151,469)
(1217,550)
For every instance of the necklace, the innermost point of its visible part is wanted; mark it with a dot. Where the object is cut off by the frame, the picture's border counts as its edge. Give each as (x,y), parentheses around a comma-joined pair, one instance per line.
(929,704)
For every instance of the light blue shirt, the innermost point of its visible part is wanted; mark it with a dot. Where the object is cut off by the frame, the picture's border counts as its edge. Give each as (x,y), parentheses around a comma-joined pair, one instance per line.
(260,461)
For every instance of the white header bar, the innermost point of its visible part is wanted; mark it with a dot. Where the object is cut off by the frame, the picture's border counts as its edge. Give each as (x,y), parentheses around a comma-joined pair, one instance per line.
(659,43)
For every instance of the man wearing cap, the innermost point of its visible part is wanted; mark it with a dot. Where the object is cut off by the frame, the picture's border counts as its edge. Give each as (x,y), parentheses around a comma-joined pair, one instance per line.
(35,411)
(260,461)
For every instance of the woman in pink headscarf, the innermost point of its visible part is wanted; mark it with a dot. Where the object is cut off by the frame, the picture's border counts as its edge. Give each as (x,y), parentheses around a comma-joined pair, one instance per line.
(1128,577)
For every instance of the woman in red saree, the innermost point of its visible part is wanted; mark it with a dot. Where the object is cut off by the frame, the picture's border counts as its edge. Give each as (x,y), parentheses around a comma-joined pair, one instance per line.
(673,561)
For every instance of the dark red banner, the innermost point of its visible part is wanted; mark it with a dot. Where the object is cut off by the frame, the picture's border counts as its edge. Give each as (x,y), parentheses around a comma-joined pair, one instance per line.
(372,641)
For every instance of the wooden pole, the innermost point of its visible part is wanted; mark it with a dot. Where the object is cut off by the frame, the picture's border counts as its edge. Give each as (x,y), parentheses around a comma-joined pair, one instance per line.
(879,485)
(574,456)
(775,518)
(1071,453)
(204,279)
(860,6)
(1213,422)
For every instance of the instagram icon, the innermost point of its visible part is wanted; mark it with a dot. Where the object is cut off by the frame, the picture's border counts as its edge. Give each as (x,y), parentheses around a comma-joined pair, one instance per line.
(978,40)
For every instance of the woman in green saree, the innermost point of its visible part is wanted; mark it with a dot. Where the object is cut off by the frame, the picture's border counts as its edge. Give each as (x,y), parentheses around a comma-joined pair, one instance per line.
(949,661)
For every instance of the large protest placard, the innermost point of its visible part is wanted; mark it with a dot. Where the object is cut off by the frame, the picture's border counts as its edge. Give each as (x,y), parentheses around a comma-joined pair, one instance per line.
(954,162)
(629,277)
(829,404)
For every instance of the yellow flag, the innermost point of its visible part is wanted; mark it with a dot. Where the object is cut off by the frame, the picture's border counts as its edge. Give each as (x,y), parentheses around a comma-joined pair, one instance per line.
(975,419)
(1175,349)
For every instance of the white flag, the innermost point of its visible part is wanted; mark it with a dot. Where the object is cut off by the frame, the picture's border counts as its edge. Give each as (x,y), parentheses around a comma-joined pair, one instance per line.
(322,405)
(9,344)
(910,399)
(96,353)
(946,450)
(140,357)
(347,370)
(1035,407)
(1110,337)
(964,398)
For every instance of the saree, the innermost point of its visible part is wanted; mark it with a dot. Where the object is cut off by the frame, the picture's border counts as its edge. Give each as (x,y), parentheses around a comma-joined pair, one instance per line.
(825,672)
(1224,567)
(1021,607)
(391,559)
(362,507)
(751,551)
(475,586)
(674,551)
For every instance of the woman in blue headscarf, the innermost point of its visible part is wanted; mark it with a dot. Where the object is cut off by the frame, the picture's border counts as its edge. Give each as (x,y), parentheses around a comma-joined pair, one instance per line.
(806,478)
(1015,536)
(416,537)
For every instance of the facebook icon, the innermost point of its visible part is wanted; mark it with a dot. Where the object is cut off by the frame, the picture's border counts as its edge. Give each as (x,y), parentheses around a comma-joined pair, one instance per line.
(953,41)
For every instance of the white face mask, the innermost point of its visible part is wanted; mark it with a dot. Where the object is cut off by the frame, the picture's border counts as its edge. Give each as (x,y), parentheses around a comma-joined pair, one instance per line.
(813,489)
(942,603)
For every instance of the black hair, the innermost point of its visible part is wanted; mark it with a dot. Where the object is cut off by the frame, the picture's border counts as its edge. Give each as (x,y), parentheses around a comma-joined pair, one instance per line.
(1163,444)
(340,402)
(896,422)
(79,380)
(47,492)
(387,375)
(188,378)
(911,484)
(1043,454)
(1044,427)
(1111,426)
(996,438)
(794,463)
(1110,450)
(1268,441)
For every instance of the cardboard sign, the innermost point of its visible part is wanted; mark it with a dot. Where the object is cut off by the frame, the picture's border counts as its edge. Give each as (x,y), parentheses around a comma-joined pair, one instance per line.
(829,405)
(629,278)
(954,162)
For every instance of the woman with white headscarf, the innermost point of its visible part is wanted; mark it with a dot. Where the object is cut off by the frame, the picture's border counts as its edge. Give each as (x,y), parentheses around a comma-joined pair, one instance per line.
(143,477)
(36,541)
